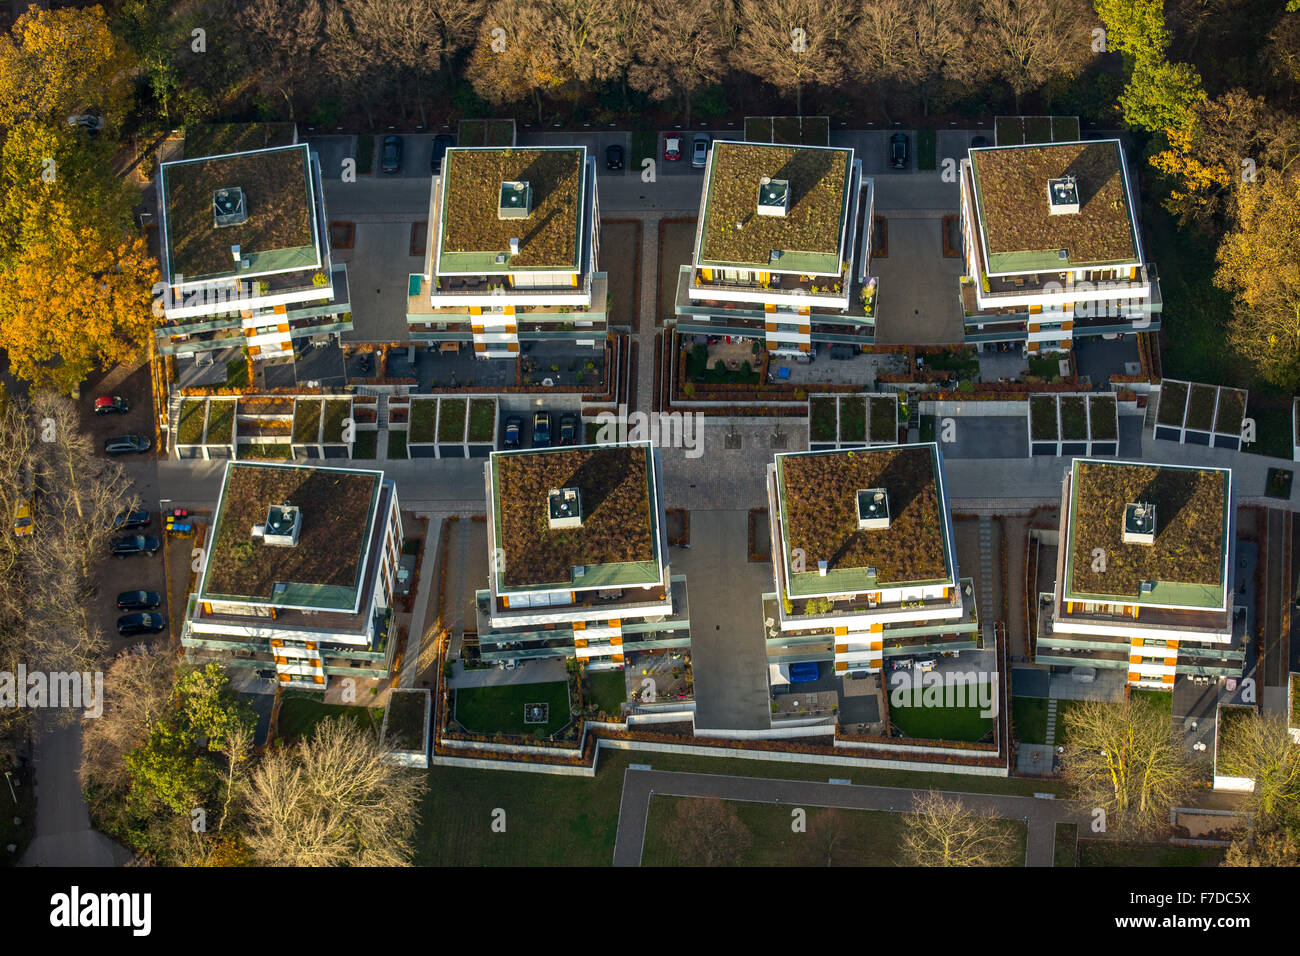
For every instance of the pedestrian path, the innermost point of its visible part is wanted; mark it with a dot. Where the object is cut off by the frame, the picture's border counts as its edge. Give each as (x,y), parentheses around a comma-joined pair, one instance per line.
(1051,722)
(987,613)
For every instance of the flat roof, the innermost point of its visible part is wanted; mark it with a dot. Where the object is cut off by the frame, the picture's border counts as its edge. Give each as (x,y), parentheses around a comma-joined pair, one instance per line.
(472,235)
(1021,235)
(818,495)
(617,544)
(1187,564)
(809,237)
(324,569)
(279,234)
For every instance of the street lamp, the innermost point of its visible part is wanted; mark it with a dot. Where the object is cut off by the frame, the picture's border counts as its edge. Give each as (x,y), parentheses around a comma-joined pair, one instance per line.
(9,780)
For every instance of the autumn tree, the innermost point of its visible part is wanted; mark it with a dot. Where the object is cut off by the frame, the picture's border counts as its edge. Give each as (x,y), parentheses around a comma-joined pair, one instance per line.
(1259,262)
(708,832)
(333,800)
(793,45)
(1263,847)
(1027,42)
(1123,759)
(682,54)
(942,832)
(1260,749)
(283,38)
(510,63)
(923,46)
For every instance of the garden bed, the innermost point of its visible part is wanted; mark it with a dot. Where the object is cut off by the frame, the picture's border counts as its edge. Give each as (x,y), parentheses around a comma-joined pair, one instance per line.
(221,422)
(482,420)
(336,413)
(1173,403)
(189,429)
(451,420)
(884,420)
(1200,407)
(1042,418)
(853,419)
(423,420)
(306,420)
(1074,419)
(821,419)
(1102,414)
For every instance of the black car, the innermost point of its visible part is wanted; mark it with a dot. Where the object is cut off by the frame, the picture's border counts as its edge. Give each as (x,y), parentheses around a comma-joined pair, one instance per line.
(146,623)
(514,424)
(134,544)
(614,156)
(390,159)
(138,600)
(568,429)
(126,444)
(898,151)
(129,520)
(542,430)
(440,144)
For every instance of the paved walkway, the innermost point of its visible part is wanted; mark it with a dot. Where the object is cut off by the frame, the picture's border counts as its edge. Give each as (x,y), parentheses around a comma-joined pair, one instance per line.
(1041,815)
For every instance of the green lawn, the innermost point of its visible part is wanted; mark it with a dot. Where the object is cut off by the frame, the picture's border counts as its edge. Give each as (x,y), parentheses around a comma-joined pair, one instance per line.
(865,837)
(1067,835)
(941,723)
(500,710)
(1030,719)
(364,447)
(553,820)
(301,711)
(397,444)
(608,690)
(237,373)
(1109,853)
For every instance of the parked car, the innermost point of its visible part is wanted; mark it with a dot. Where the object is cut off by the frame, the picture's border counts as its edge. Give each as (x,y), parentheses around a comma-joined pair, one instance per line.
(390,159)
(134,544)
(568,429)
(673,148)
(24,524)
(898,151)
(614,156)
(204,359)
(129,625)
(927,664)
(111,405)
(440,144)
(130,520)
(138,600)
(542,430)
(513,426)
(87,121)
(126,444)
(700,151)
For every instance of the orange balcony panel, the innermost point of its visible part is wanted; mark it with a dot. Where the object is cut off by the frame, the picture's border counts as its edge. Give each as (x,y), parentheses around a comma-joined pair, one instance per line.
(1034,326)
(283,327)
(579,642)
(255,350)
(841,665)
(616,641)
(579,625)
(770,326)
(280,310)
(769,307)
(840,631)
(284,678)
(476,329)
(1134,676)
(317,679)
(1171,662)
(1067,325)
(512,346)
(480,347)
(841,648)
(877,645)
(1134,659)
(877,628)
(1167,679)
(618,658)
(616,622)
(804,347)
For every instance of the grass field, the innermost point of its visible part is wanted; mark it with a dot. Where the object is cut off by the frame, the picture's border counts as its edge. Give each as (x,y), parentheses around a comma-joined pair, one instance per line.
(941,723)
(500,710)
(1107,853)
(608,690)
(571,821)
(1067,835)
(865,837)
(301,711)
(1029,715)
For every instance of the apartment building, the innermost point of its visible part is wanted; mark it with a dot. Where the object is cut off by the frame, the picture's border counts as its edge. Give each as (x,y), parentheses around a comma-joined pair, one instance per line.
(579,565)
(863,558)
(1144,574)
(299,574)
(246,254)
(512,252)
(782,249)
(1052,246)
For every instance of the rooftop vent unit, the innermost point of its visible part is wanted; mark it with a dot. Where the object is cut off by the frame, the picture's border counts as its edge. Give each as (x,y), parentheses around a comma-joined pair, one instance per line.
(564,508)
(514,247)
(1139,523)
(822,568)
(773,196)
(873,509)
(283,522)
(228,207)
(1063,196)
(516,201)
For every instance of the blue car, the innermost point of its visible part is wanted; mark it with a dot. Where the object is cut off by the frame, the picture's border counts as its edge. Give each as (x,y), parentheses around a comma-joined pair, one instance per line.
(542,430)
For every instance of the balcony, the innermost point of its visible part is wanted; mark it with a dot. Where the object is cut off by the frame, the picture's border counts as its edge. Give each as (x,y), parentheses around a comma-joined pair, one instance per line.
(695,296)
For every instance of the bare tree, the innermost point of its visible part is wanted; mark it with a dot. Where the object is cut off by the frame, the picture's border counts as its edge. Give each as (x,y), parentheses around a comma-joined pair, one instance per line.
(825,834)
(512,61)
(1263,848)
(238,751)
(284,40)
(793,45)
(942,832)
(1026,42)
(1260,749)
(707,832)
(333,800)
(682,54)
(1124,760)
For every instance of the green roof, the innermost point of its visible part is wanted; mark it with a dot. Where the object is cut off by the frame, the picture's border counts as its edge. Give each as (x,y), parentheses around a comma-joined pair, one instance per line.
(323,570)
(818,498)
(617,544)
(1019,232)
(1186,566)
(808,237)
(473,236)
(278,235)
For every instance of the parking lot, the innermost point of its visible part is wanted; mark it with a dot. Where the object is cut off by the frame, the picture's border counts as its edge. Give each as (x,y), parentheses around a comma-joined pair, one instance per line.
(555,421)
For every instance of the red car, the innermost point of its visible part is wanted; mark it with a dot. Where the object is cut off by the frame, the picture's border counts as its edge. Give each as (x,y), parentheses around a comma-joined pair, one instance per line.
(673,148)
(111,405)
